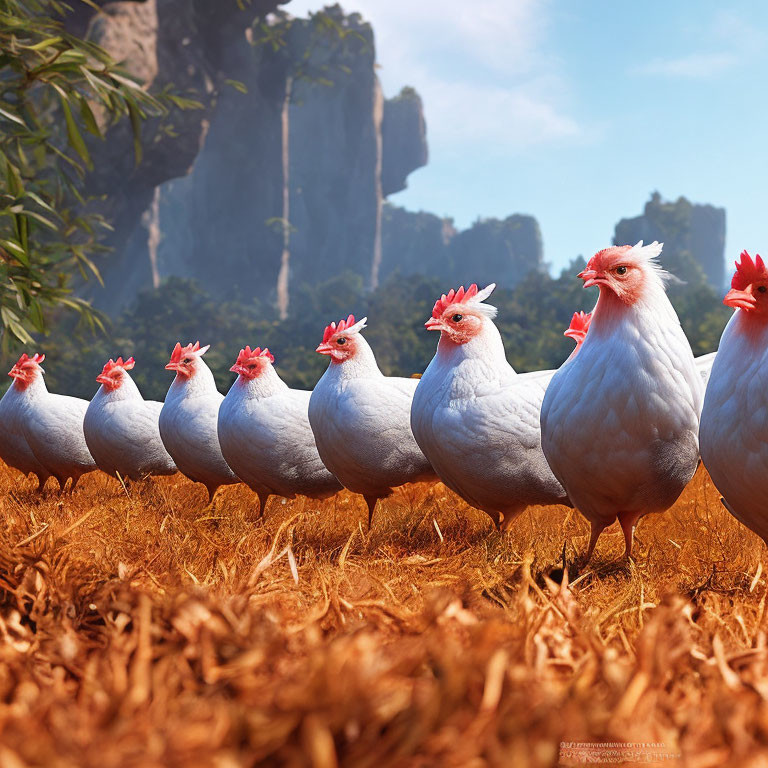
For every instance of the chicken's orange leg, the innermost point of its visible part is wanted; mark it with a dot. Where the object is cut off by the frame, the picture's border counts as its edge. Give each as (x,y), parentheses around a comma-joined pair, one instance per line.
(594,535)
(371,502)
(263,499)
(628,521)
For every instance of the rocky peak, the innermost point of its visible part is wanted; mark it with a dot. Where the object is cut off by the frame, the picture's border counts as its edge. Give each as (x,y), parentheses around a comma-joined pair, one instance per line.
(693,237)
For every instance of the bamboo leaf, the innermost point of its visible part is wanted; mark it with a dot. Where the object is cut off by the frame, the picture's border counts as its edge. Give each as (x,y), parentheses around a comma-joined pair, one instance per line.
(41,219)
(73,134)
(10,116)
(47,43)
(35,314)
(136,126)
(96,82)
(14,247)
(39,200)
(126,81)
(237,85)
(183,103)
(16,250)
(13,179)
(88,118)
(19,332)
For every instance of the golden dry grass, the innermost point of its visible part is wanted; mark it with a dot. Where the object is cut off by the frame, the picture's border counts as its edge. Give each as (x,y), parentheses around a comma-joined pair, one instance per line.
(152,631)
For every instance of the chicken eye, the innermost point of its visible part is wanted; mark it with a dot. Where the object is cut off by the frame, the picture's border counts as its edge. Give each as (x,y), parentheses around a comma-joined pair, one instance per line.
(457,318)
(621,270)
(187,360)
(762,288)
(342,340)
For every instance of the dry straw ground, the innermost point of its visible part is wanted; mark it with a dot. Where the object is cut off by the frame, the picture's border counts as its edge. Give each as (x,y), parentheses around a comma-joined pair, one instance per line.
(149,630)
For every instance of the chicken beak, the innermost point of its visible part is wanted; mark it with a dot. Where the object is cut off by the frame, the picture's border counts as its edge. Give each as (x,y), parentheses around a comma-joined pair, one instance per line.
(14,373)
(434,324)
(238,369)
(325,348)
(590,277)
(577,336)
(172,367)
(739,299)
(102,379)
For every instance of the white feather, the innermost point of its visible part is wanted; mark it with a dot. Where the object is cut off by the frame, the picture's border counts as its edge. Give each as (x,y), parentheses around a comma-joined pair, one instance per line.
(487,310)
(648,255)
(485,293)
(357,327)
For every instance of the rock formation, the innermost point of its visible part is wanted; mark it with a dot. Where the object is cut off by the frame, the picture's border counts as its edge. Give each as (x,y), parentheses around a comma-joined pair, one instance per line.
(262,190)
(281,178)
(404,136)
(173,42)
(491,250)
(693,237)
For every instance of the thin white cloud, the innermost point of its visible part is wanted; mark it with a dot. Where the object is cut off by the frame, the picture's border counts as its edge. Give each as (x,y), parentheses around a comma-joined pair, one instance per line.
(463,114)
(728,40)
(737,32)
(481,68)
(692,66)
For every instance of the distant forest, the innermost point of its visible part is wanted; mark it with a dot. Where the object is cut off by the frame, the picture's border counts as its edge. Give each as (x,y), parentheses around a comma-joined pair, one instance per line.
(532,318)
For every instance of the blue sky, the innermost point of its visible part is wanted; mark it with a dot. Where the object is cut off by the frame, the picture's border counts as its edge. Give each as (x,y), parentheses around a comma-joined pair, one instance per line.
(575,112)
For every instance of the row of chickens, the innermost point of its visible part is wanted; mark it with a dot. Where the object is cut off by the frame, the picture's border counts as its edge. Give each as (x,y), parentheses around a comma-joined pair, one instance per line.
(616,431)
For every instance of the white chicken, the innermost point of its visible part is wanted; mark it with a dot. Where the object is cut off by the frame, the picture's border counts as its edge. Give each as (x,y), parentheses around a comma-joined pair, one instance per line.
(476,420)
(734,420)
(14,450)
(580,325)
(620,419)
(51,424)
(121,427)
(189,417)
(360,418)
(265,435)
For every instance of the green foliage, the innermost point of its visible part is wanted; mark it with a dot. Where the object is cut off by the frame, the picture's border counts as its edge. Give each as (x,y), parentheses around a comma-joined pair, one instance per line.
(407,93)
(702,315)
(55,91)
(315,49)
(532,318)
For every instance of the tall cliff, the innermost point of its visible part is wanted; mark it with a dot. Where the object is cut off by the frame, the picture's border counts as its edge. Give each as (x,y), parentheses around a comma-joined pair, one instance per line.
(693,237)
(268,189)
(165,43)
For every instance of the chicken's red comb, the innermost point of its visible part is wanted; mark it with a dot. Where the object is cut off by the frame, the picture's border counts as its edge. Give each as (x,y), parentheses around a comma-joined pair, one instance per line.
(453,297)
(179,351)
(25,358)
(747,271)
(334,328)
(111,364)
(248,353)
(579,323)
